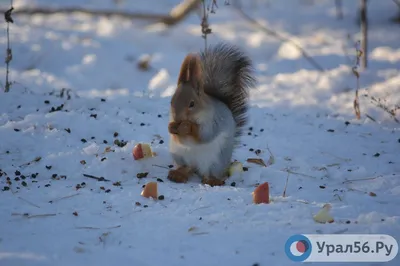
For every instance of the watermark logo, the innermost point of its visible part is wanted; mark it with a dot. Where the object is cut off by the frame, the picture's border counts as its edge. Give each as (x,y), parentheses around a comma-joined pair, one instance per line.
(341,248)
(298,248)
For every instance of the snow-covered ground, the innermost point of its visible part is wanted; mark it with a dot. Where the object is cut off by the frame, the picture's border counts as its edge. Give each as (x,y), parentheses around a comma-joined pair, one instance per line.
(305,117)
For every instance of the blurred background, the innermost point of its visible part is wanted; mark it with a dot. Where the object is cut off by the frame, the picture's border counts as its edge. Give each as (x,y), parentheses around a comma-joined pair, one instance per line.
(305,50)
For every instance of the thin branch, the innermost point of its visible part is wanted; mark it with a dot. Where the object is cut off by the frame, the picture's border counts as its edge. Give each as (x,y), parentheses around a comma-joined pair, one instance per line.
(27,215)
(297,173)
(279,37)
(204,24)
(176,15)
(164,167)
(360,179)
(8,19)
(397,2)
(97,228)
(364,32)
(287,181)
(387,109)
(30,203)
(65,197)
(339,9)
(96,178)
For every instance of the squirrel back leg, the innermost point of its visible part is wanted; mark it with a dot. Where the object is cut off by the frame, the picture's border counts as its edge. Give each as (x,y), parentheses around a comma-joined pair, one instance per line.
(218,171)
(212,181)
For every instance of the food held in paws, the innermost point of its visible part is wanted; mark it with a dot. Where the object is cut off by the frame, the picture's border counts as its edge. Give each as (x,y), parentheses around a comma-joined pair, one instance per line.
(236,167)
(142,151)
(150,190)
(261,194)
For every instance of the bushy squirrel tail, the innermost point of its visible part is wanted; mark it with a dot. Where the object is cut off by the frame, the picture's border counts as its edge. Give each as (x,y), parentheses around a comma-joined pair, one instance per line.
(228,76)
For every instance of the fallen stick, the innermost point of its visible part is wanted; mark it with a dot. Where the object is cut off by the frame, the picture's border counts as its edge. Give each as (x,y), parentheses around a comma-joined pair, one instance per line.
(27,201)
(361,179)
(27,215)
(37,159)
(65,197)
(97,228)
(287,181)
(296,173)
(97,178)
(204,207)
(165,167)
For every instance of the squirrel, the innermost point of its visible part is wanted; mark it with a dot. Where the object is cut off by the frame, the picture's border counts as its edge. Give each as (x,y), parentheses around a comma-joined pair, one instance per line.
(208,111)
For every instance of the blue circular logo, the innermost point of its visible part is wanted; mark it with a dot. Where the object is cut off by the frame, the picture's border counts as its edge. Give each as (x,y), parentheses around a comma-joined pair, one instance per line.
(298,248)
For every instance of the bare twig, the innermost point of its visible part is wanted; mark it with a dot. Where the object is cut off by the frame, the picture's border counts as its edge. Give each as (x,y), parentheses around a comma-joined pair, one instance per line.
(97,178)
(156,165)
(8,19)
(41,215)
(204,207)
(337,195)
(364,32)
(339,9)
(205,30)
(378,103)
(397,2)
(356,102)
(97,228)
(30,203)
(65,197)
(287,181)
(337,157)
(370,117)
(297,173)
(279,37)
(360,179)
(200,233)
(176,15)
(27,215)
(37,159)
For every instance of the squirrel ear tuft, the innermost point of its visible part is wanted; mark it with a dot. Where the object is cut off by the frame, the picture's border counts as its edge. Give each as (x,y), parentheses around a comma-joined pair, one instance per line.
(191,71)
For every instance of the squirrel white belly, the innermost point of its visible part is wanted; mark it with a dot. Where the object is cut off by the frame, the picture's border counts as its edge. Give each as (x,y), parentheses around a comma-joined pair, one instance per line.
(208,111)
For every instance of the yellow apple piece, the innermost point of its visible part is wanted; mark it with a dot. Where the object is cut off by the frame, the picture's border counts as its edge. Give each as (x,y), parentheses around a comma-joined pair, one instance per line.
(323,216)
(236,167)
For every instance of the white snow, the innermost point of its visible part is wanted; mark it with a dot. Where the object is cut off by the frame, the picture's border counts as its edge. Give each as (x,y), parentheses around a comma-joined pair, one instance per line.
(305,117)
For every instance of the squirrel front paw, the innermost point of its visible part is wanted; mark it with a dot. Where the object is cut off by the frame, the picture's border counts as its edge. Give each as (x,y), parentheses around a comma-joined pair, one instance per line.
(185,128)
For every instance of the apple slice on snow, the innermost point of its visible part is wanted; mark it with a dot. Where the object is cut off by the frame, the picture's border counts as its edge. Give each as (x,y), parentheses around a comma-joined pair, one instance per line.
(323,215)
(142,151)
(236,167)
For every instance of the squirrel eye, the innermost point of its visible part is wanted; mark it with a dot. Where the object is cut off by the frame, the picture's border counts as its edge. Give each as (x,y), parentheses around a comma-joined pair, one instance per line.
(191,104)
